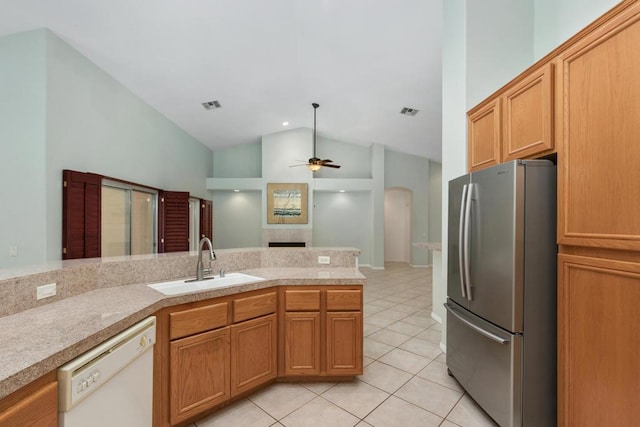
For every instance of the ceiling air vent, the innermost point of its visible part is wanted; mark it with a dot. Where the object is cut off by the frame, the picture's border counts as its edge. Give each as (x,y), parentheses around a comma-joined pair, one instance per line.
(409,111)
(211,105)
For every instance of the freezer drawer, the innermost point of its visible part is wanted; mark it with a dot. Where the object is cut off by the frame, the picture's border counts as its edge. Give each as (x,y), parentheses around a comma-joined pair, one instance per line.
(487,361)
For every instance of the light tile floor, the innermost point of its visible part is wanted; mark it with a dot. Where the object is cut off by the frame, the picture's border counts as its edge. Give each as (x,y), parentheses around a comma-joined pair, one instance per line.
(405,381)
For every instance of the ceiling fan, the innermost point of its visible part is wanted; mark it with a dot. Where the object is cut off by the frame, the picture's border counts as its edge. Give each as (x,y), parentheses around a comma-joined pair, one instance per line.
(316,163)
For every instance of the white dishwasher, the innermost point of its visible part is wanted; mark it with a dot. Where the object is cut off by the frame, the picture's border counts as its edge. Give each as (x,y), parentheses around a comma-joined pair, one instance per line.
(111,384)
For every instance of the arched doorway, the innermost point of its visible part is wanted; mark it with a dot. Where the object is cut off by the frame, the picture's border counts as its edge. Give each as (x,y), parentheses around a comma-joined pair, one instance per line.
(397,224)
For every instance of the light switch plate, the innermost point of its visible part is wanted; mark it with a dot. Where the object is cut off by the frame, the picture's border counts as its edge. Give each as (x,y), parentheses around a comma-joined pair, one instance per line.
(324,260)
(46,291)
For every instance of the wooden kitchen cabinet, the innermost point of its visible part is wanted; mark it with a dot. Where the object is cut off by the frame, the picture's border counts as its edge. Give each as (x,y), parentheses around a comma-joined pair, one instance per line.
(199,373)
(344,332)
(515,123)
(484,134)
(212,352)
(208,352)
(344,343)
(302,343)
(528,115)
(200,319)
(35,405)
(322,332)
(598,225)
(598,343)
(598,191)
(253,353)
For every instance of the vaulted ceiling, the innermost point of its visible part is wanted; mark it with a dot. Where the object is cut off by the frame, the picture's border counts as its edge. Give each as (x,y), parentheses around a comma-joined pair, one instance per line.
(265,62)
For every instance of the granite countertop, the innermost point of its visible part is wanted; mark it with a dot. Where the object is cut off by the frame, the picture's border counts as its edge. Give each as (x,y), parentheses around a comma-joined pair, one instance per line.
(39,340)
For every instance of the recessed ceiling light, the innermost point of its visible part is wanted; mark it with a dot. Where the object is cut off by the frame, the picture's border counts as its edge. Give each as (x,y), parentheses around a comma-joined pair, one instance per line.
(342,191)
(236,191)
(285,123)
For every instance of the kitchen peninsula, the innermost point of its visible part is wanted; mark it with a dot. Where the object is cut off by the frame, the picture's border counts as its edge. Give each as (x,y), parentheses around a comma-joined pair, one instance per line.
(98,298)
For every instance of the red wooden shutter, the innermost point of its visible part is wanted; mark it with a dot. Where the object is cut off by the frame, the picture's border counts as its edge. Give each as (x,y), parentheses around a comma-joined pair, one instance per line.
(174,229)
(81,214)
(206,219)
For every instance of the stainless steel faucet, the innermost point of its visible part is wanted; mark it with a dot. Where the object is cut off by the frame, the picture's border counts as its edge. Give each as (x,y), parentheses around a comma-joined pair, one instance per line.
(212,257)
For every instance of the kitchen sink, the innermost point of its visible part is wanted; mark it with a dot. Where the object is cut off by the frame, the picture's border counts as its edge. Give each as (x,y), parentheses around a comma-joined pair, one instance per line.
(177,287)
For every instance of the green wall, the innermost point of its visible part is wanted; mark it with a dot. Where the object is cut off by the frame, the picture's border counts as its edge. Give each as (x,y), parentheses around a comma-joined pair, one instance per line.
(237,219)
(353,218)
(412,172)
(87,122)
(22,148)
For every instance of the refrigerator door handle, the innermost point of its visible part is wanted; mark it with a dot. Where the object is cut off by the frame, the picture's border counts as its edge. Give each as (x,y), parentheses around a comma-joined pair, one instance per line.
(476,328)
(461,240)
(467,231)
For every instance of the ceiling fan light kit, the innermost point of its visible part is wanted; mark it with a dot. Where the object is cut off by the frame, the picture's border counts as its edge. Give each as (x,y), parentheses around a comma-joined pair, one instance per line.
(315,163)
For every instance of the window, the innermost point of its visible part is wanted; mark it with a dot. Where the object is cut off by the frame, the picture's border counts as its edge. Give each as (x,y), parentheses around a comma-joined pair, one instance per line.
(129,219)
(104,216)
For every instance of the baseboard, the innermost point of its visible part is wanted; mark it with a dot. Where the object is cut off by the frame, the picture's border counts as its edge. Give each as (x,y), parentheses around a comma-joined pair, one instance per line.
(435,317)
(370,266)
(443,348)
(420,265)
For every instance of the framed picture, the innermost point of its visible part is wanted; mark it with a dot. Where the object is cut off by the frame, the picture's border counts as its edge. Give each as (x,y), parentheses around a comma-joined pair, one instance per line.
(286,203)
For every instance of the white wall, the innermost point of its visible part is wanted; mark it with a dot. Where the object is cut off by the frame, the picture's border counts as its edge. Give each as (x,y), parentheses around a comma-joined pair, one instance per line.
(88,122)
(22,148)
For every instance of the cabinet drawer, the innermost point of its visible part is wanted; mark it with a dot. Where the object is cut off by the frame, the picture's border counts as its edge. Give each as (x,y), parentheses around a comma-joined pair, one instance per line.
(302,300)
(189,322)
(341,300)
(254,306)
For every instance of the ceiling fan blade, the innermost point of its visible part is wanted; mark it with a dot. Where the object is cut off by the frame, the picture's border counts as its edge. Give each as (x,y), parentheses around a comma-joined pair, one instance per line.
(301,164)
(326,161)
(328,165)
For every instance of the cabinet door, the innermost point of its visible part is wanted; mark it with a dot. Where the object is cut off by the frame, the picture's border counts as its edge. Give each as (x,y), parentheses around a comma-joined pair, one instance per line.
(598,186)
(302,343)
(38,410)
(199,373)
(344,343)
(528,115)
(598,342)
(484,135)
(253,353)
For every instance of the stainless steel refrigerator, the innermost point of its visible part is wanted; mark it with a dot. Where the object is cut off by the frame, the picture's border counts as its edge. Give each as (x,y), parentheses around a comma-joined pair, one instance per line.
(501,288)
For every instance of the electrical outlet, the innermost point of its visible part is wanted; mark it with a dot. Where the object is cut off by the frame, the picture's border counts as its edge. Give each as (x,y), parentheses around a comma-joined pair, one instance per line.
(46,291)
(13,251)
(324,260)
